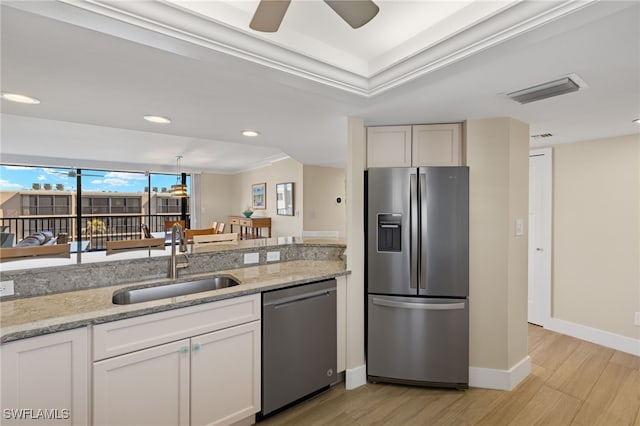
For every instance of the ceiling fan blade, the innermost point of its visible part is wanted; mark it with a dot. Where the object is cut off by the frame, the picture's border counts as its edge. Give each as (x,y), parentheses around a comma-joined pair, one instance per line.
(268,15)
(355,12)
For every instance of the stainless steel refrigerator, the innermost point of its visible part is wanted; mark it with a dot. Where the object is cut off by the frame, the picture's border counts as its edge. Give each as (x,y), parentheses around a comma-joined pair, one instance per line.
(417,278)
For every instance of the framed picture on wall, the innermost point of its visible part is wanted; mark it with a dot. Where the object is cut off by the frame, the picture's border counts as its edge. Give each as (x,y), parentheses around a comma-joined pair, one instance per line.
(259,195)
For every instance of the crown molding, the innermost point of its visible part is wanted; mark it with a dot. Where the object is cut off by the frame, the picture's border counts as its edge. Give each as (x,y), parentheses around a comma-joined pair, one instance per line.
(142,21)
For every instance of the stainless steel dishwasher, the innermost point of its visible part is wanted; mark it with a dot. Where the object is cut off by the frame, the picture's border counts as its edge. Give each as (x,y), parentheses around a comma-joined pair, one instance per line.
(299,354)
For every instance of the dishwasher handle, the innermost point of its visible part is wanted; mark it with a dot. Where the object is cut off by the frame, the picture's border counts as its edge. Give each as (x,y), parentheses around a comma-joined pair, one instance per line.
(279,303)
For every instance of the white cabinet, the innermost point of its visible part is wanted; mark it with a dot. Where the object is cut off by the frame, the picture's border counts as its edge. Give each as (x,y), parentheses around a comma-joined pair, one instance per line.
(415,146)
(225,375)
(389,146)
(436,145)
(147,387)
(45,379)
(203,378)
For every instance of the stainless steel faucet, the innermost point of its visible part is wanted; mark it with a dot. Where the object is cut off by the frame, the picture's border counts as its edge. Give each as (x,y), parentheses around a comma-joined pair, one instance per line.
(173,263)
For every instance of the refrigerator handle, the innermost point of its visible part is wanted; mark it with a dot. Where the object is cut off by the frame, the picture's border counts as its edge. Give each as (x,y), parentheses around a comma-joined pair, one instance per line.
(423,231)
(414,235)
(422,306)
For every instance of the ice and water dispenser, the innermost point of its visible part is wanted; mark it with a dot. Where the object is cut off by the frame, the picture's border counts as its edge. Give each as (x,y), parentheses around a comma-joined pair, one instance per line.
(389,232)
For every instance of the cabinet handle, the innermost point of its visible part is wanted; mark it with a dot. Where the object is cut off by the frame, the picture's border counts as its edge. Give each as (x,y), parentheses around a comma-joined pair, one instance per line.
(196,347)
(184,349)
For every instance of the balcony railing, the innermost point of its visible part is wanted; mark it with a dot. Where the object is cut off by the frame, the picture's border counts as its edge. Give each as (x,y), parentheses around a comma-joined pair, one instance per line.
(97,230)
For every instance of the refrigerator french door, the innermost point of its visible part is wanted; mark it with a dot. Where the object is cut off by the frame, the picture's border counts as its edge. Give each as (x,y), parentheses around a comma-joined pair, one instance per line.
(418,275)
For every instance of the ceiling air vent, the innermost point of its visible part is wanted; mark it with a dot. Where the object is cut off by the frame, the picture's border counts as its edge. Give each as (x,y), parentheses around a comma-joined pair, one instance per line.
(541,136)
(571,83)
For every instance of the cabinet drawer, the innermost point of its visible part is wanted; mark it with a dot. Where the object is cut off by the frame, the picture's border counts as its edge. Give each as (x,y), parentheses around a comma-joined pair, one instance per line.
(234,221)
(120,337)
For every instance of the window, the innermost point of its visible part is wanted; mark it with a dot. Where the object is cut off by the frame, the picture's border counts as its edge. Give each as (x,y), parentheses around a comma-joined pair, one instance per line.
(169,205)
(95,205)
(126,205)
(36,199)
(45,205)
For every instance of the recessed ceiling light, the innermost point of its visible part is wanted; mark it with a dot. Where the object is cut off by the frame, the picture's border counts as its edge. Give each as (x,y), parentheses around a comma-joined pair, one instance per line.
(637,121)
(23,99)
(250,133)
(157,119)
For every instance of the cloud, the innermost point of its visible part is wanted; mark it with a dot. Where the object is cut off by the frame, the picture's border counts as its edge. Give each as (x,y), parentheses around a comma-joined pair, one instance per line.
(6,185)
(50,171)
(41,177)
(19,168)
(116,182)
(125,176)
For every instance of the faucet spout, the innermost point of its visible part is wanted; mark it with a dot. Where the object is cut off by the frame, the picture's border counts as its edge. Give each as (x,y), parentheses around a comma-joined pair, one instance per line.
(176,230)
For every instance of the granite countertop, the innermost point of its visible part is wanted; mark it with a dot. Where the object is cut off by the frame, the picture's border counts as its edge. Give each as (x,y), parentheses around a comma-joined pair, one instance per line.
(33,316)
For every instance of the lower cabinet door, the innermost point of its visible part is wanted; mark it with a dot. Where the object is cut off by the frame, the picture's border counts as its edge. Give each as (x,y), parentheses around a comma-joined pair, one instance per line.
(147,387)
(225,375)
(45,380)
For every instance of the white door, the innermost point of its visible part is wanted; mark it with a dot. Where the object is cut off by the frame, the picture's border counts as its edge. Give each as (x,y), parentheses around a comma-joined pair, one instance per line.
(540,178)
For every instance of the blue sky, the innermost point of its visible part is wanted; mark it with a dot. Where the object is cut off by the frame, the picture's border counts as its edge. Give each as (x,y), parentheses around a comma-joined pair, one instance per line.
(15,178)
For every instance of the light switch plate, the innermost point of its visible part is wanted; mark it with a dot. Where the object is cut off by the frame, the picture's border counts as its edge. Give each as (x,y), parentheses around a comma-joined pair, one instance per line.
(6,288)
(519,227)
(251,258)
(273,256)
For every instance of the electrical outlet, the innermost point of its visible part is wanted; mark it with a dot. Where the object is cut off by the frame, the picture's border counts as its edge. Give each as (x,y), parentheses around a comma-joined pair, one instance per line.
(638,319)
(273,256)
(6,288)
(251,258)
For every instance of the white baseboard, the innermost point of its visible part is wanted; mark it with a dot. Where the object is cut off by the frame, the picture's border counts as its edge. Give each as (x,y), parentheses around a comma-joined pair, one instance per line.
(594,335)
(491,378)
(355,377)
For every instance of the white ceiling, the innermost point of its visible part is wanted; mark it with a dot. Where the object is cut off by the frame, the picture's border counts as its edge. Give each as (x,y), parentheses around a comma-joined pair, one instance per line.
(98,67)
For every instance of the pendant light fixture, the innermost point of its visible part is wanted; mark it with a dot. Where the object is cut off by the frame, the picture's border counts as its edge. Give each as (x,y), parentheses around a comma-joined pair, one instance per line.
(179,189)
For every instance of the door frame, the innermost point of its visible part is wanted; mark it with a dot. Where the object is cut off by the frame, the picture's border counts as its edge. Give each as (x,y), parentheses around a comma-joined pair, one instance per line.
(546,232)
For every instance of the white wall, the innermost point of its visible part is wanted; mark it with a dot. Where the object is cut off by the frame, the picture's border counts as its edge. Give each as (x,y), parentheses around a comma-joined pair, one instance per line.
(321,187)
(596,234)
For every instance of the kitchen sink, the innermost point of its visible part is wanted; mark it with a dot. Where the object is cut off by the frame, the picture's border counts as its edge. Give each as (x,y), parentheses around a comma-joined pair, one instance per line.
(145,294)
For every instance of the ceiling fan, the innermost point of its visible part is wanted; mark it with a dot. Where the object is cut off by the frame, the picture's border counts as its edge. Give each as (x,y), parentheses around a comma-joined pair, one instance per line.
(269,14)
(72,174)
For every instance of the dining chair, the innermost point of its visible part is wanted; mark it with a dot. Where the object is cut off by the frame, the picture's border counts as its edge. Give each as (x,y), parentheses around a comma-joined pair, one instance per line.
(214,226)
(190,233)
(220,228)
(6,239)
(168,224)
(215,238)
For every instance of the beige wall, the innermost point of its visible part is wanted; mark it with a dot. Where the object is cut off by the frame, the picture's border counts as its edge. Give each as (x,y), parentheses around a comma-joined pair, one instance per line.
(224,195)
(596,234)
(287,170)
(497,156)
(215,198)
(321,187)
(356,162)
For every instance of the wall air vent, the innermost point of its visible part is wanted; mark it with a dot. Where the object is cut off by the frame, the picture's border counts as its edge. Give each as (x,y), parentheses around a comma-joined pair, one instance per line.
(571,83)
(541,136)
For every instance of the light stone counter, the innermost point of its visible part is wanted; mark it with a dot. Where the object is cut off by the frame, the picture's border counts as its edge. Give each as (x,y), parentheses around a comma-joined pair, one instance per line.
(32,316)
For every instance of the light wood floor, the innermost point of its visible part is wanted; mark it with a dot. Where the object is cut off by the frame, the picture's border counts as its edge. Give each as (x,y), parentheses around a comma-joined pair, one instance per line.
(572,382)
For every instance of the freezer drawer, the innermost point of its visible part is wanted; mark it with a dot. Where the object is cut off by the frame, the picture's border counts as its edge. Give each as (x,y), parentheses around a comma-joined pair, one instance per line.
(299,343)
(418,340)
